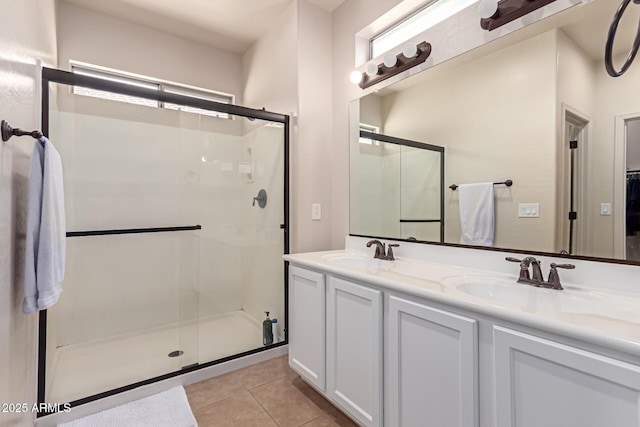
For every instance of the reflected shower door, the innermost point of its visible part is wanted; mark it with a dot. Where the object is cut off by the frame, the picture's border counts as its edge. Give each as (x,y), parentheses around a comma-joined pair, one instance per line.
(421,193)
(396,188)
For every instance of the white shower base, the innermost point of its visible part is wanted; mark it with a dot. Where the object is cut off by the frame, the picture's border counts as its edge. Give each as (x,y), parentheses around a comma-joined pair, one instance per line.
(86,369)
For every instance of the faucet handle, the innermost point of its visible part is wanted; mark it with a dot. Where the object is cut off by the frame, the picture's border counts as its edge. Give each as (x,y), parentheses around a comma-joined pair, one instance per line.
(554,277)
(567,266)
(390,251)
(512,259)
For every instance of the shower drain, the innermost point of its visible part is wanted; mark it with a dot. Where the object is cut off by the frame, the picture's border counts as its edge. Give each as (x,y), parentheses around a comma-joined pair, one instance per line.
(176,353)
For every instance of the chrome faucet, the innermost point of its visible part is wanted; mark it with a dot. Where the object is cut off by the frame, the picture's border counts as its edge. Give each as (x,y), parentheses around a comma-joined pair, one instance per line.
(536,278)
(380,250)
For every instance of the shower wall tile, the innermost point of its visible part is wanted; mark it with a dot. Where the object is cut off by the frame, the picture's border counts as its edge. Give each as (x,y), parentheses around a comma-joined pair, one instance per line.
(118,174)
(118,285)
(263,272)
(129,174)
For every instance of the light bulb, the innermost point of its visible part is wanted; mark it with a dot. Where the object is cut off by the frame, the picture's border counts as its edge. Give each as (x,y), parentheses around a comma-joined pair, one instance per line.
(372,69)
(390,60)
(409,50)
(488,8)
(355,77)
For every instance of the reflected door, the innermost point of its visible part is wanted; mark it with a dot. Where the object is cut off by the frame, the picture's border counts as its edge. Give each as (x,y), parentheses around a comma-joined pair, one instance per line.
(632,180)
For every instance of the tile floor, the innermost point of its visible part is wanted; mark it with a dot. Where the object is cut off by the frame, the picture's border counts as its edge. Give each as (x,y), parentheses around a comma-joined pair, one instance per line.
(268,394)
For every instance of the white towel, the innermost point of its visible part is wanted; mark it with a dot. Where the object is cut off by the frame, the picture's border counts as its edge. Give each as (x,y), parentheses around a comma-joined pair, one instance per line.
(46,233)
(476,214)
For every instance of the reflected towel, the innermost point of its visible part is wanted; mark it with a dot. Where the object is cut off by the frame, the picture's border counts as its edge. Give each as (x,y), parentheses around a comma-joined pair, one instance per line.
(45,237)
(476,214)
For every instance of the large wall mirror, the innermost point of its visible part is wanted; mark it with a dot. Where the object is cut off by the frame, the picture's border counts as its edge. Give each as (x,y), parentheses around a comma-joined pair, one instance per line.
(540,111)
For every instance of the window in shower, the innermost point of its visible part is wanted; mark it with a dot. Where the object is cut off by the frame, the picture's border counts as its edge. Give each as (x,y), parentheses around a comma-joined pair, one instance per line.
(170,264)
(135,80)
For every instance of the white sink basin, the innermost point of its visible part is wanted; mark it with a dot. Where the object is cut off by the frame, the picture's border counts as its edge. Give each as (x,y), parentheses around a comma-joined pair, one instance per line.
(530,298)
(360,262)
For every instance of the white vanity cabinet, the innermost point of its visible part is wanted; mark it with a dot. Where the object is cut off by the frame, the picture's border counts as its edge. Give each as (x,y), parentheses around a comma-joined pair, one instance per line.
(545,383)
(307,316)
(354,349)
(431,366)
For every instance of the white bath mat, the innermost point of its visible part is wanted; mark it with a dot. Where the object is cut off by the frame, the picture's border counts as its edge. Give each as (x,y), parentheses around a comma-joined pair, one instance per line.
(169,408)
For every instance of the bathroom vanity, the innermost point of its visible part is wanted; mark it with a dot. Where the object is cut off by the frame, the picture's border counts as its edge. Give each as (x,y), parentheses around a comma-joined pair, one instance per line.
(424,341)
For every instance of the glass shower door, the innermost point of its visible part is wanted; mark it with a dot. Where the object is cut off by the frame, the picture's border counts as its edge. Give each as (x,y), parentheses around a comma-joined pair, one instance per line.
(242,241)
(129,308)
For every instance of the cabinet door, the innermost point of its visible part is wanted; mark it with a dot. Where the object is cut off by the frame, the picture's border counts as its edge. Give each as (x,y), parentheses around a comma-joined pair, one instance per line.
(307,325)
(545,383)
(432,367)
(354,350)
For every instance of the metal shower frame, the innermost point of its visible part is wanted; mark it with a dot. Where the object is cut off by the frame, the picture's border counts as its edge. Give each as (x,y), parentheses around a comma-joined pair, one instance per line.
(50,75)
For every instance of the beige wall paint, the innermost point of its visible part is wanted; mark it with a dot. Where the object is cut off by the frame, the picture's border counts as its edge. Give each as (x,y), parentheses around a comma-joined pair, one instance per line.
(92,37)
(576,80)
(269,67)
(312,159)
(510,115)
(28,36)
(614,97)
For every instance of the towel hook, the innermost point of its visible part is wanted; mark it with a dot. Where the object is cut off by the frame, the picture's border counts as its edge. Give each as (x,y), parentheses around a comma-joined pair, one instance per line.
(8,132)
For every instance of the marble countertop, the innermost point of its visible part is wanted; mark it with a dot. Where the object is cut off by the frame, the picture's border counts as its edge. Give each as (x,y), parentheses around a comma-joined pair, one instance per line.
(602,317)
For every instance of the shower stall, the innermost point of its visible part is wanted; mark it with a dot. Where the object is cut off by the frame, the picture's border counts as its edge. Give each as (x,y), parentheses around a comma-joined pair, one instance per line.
(177,220)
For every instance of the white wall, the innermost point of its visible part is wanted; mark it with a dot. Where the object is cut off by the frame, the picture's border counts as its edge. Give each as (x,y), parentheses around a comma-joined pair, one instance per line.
(89,36)
(29,35)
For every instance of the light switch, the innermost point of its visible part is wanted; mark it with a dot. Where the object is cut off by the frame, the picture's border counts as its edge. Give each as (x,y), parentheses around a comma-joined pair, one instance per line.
(316,211)
(528,210)
(605,208)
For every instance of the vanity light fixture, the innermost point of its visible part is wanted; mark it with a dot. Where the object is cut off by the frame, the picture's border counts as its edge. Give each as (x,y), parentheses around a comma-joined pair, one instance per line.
(494,14)
(355,77)
(390,60)
(411,56)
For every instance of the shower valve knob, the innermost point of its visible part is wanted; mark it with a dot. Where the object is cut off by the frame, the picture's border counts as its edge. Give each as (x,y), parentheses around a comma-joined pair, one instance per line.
(261,198)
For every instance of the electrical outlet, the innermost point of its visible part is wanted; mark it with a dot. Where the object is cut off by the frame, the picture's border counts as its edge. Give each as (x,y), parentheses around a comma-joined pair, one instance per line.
(605,208)
(316,211)
(528,210)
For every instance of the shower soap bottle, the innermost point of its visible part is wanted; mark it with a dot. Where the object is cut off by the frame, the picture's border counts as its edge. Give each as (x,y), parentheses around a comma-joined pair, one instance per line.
(267,331)
(274,329)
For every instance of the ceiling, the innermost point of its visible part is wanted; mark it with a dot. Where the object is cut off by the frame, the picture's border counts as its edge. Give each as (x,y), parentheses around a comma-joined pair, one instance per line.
(231,25)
